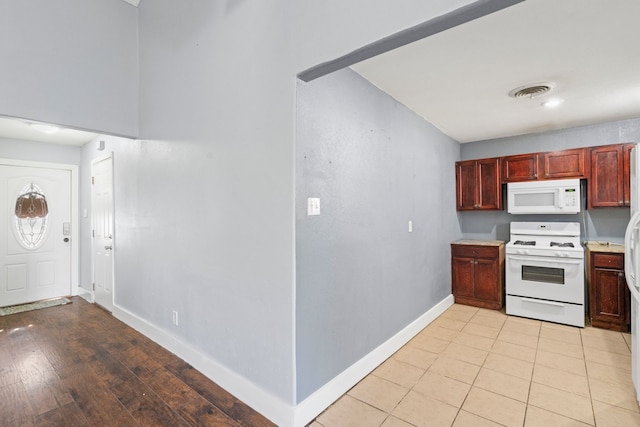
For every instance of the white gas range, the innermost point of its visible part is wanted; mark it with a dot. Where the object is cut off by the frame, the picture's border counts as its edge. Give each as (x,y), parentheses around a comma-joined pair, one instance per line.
(544,274)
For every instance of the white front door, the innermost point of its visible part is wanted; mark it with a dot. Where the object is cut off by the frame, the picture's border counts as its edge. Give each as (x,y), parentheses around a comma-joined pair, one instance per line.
(35,234)
(102,230)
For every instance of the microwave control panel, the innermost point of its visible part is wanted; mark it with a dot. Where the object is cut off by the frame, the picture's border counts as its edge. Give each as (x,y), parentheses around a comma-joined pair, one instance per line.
(571,197)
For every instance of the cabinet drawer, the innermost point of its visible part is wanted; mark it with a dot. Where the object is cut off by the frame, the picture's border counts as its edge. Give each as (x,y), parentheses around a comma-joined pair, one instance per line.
(472,251)
(608,260)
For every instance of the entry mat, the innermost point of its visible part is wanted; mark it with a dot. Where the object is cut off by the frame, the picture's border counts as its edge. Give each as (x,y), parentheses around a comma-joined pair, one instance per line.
(4,311)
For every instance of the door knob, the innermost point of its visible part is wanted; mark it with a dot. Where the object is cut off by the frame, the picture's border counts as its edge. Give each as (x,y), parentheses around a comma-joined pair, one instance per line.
(108,247)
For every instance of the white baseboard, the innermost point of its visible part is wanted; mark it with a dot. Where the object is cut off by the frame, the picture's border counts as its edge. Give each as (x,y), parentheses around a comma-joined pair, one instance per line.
(270,406)
(86,294)
(313,405)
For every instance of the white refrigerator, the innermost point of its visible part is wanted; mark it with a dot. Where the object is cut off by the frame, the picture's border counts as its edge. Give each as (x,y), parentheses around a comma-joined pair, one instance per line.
(632,267)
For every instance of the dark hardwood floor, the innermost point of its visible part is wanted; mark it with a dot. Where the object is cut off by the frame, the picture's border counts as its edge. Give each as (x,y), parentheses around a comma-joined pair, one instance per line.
(76,365)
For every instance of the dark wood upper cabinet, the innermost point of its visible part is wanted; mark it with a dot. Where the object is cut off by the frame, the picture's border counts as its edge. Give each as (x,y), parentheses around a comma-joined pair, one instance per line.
(606,168)
(478,185)
(626,172)
(610,179)
(523,167)
(565,164)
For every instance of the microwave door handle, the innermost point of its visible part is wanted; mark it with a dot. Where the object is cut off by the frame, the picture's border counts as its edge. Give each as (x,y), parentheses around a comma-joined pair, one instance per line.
(559,198)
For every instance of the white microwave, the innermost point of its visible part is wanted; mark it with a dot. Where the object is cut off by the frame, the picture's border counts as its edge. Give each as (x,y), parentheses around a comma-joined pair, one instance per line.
(561,196)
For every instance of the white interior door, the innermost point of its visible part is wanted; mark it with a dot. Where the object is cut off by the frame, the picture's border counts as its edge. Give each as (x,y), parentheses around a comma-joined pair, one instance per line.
(35,234)
(102,225)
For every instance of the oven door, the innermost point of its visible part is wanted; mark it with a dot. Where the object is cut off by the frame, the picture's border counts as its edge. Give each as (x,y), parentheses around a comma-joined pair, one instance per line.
(549,278)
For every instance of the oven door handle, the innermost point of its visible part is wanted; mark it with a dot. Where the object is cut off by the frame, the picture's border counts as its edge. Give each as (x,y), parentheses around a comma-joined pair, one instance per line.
(546,260)
(545,302)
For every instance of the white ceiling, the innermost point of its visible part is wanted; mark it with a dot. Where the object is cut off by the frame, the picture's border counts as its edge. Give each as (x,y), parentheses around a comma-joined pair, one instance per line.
(459,80)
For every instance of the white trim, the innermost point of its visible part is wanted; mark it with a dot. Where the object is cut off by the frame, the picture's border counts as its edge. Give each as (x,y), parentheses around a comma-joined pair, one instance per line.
(294,237)
(85,294)
(272,407)
(75,227)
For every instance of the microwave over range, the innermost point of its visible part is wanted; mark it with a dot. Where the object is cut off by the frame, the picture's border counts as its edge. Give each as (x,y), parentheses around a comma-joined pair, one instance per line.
(561,196)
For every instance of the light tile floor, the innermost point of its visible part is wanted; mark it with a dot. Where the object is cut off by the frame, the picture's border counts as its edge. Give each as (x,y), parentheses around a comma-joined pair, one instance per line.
(477,367)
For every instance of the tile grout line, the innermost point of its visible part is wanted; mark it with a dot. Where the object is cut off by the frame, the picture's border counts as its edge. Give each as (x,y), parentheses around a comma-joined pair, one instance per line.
(478,373)
(533,369)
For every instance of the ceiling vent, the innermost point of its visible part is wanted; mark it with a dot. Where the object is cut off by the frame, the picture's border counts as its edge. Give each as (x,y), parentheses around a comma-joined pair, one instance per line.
(532,90)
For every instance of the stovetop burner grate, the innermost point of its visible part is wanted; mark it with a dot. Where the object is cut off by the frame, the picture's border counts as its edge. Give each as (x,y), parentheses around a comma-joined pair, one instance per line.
(562,245)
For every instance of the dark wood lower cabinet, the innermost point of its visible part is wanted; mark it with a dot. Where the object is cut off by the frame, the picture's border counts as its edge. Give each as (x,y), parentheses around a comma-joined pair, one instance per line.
(609,298)
(477,273)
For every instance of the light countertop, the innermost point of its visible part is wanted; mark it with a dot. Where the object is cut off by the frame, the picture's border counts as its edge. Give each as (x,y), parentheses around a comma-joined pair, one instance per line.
(616,248)
(478,242)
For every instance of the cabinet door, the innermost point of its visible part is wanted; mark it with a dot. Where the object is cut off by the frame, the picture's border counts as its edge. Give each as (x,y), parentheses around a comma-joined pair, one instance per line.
(490,185)
(523,167)
(626,174)
(487,280)
(609,296)
(466,186)
(462,276)
(606,186)
(565,164)
(478,185)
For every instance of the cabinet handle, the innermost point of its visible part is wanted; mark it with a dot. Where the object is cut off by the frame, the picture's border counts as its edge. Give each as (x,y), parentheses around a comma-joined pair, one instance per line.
(471,261)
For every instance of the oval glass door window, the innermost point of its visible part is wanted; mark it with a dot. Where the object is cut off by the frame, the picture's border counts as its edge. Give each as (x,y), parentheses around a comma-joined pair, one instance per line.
(31,214)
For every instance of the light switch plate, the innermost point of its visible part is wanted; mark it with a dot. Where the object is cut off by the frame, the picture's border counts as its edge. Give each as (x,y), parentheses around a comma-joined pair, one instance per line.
(313,206)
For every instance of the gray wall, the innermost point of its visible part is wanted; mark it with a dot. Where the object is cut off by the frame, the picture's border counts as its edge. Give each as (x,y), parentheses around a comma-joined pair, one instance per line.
(206,221)
(70,62)
(604,224)
(361,276)
(205,200)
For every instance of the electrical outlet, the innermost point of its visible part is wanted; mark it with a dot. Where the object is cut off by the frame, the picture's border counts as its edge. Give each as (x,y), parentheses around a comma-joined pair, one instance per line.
(410,226)
(175,318)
